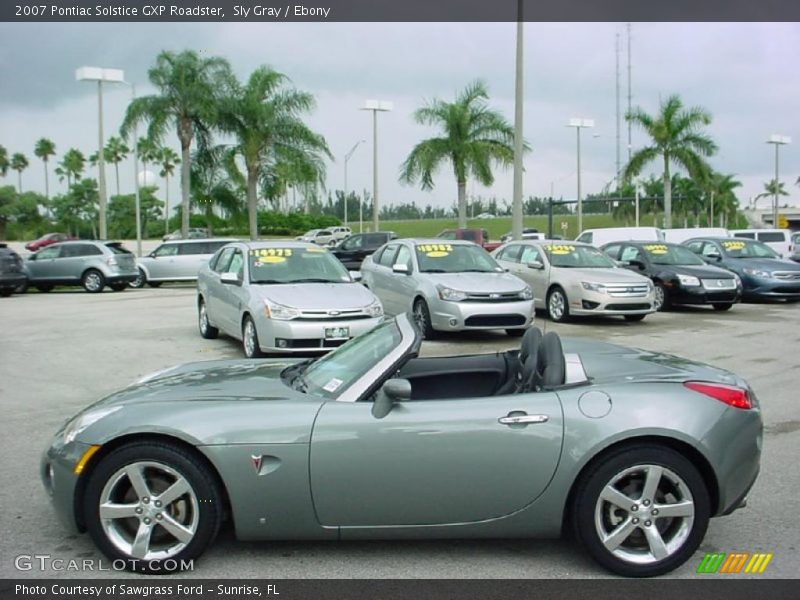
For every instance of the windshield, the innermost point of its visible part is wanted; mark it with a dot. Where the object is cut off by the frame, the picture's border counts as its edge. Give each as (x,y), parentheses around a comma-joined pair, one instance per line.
(662,254)
(296,265)
(332,374)
(747,249)
(454,258)
(573,256)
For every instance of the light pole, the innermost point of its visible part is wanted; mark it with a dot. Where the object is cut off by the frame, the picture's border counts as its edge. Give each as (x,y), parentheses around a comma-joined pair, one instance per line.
(777,140)
(346,159)
(376,106)
(138,203)
(516,199)
(100,75)
(579,124)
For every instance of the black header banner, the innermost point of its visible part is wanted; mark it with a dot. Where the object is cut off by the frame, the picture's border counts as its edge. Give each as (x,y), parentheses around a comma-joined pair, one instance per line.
(397,10)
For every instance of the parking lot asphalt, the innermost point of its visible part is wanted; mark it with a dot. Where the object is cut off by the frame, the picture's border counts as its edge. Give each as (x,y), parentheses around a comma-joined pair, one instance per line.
(63,350)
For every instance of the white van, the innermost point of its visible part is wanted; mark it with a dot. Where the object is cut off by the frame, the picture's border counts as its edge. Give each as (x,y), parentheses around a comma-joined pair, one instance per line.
(678,236)
(779,240)
(598,237)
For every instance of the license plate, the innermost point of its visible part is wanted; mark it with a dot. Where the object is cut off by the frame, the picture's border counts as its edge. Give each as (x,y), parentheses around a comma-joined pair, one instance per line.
(337,332)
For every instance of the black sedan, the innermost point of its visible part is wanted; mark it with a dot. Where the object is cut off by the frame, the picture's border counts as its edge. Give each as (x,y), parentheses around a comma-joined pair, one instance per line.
(12,272)
(354,249)
(679,276)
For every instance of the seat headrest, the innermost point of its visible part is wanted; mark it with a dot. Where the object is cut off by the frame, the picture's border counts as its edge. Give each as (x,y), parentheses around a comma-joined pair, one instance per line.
(552,355)
(530,343)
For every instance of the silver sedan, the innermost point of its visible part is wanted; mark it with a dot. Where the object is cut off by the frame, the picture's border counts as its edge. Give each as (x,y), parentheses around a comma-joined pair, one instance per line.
(449,286)
(282,297)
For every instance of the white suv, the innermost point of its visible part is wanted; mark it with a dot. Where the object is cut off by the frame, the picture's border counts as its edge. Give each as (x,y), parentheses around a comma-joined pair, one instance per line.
(779,240)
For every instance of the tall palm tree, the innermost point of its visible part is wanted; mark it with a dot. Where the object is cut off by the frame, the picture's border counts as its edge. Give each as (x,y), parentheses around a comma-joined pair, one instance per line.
(115,152)
(189,87)
(473,137)
(44,149)
(772,188)
(677,138)
(725,201)
(19,162)
(213,186)
(168,159)
(264,116)
(148,151)
(4,163)
(71,166)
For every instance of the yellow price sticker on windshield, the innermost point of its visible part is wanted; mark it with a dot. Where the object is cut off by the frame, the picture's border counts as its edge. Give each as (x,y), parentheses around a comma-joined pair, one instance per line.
(656,248)
(559,249)
(269,260)
(271,252)
(435,250)
(733,245)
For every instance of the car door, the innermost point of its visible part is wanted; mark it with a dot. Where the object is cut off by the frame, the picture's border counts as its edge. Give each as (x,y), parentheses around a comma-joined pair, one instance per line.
(162,266)
(508,258)
(349,251)
(536,278)
(232,297)
(41,266)
(400,287)
(433,462)
(191,256)
(216,291)
(381,275)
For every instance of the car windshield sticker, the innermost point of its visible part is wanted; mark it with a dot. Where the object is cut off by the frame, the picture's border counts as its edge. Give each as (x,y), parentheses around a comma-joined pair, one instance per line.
(558,249)
(332,385)
(656,248)
(435,250)
(316,249)
(733,245)
(267,256)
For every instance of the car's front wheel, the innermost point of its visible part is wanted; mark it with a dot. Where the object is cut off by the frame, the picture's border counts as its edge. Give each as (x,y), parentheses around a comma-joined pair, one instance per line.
(641,511)
(207,331)
(250,343)
(93,281)
(422,316)
(661,299)
(557,305)
(722,307)
(635,318)
(140,280)
(153,506)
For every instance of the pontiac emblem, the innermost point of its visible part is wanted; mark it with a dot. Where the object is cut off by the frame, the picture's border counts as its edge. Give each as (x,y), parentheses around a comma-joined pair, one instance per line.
(256,460)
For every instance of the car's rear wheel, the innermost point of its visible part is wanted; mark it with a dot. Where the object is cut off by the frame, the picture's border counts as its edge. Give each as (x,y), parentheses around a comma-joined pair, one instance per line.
(44,288)
(206,329)
(93,281)
(515,332)
(21,288)
(557,305)
(641,511)
(722,307)
(6,292)
(154,284)
(634,318)
(139,281)
(153,506)
(422,316)
(661,297)
(250,343)
(118,287)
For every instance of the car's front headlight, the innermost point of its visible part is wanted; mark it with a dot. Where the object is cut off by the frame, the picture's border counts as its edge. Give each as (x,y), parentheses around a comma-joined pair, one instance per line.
(738,280)
(757,272)
(82,421)
(279,312)
(594,287)
(527,293)
(688,280)
(451,295)
(375,309)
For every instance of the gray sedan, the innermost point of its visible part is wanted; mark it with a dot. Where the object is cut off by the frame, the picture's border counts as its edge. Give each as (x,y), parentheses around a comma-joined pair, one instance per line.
(449,285)
(282,297)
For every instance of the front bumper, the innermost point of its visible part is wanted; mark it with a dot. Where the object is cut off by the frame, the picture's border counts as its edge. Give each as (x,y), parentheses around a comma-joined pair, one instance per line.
(60,482)
(301,335)
(762,288)
(583,302)
(12,280)
(466,315)
(700,295)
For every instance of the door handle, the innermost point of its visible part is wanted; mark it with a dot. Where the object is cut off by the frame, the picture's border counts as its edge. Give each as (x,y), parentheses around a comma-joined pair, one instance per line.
(522,419)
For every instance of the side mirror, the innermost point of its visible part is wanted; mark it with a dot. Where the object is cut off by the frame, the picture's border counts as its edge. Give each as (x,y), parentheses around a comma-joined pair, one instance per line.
(152,254)
(394,390)
(714,256)
(230,279)
(355,275)
(398,268)
(535,264)
(636,263)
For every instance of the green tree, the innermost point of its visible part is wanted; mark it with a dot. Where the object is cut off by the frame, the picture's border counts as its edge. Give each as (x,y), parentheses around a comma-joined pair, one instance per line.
(148,152)
(773,188)
(122,212)
(78,207)
(677,138)
(264,116)
(71,166)
(4,163)
(115,152)
(473,137)
(168,160)
(189,87)
(721,189)
(44,149)
(213,187)
(19,162)
(8,200)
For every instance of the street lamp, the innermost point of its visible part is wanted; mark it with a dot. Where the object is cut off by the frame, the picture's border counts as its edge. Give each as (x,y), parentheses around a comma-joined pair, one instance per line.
(100,75)
(375,106)
(519,98)
(579,124)
(777,140)
(346,159)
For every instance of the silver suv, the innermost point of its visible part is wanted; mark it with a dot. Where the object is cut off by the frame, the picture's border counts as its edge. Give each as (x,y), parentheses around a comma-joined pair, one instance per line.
(91,264)
(178,260)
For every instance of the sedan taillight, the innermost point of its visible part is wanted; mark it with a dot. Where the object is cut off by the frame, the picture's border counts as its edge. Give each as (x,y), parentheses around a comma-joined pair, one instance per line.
(729,394)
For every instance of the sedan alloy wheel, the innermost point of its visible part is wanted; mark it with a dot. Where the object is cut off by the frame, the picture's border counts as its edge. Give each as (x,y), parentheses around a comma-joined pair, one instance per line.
(557,307)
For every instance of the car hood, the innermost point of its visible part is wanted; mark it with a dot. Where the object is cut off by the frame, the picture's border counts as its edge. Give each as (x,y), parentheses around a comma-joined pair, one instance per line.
(477,282)
(610,275)
(610,363)
(700,271)
(311,296)
(764,264)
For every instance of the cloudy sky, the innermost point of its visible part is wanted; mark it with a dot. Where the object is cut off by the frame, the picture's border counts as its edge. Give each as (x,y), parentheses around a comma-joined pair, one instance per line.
(744,73)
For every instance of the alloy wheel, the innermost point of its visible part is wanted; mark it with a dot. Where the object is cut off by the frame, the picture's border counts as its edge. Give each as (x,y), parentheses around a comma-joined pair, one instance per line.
(249,338)
(658,300)
(93,282)
(556,305)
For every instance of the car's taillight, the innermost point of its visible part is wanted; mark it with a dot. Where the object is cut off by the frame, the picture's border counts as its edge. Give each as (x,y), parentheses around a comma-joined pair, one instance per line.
(729,394)
(112,262)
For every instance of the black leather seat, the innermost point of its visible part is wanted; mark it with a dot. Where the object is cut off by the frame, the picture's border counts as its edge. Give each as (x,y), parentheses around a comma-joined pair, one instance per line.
(515,361)
(545,366)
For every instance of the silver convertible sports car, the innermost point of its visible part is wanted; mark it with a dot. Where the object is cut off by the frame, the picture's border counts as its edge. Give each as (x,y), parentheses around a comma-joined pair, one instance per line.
(630,450)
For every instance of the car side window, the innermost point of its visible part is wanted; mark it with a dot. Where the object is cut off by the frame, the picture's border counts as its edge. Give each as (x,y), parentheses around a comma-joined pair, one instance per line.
(354,242)
(447,235)
(529,254)
(629,253)
(386,259)
(166,250)
(710,249)
(695,246)
(223,260)
(237,264)
(192,249)
(613,250)
(585,237)
(51,252)
(403,257)
(510,253)
(748,235)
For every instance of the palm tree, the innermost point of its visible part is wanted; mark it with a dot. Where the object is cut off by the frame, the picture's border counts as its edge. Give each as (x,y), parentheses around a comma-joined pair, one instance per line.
(147,151)
(264,116)
(4,164)
(771,189)
(168,159)
(473,137)
(71,166)
(189,88)
(677,139)
(44,149)
(721,193)
(213,186)
(115,152)
(19,162)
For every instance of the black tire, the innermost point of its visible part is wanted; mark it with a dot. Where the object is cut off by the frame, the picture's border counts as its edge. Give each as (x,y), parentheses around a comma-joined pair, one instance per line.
(118,287)
(93,281)
(679,480)
(250,343)
(207,331)
(44,288)
(22,288)
(634,318)
(666,303)
(139,281)
(559,312)
(422,316)
(722,307)
(202,501)
(515,332)
(6,292)
(154,284)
